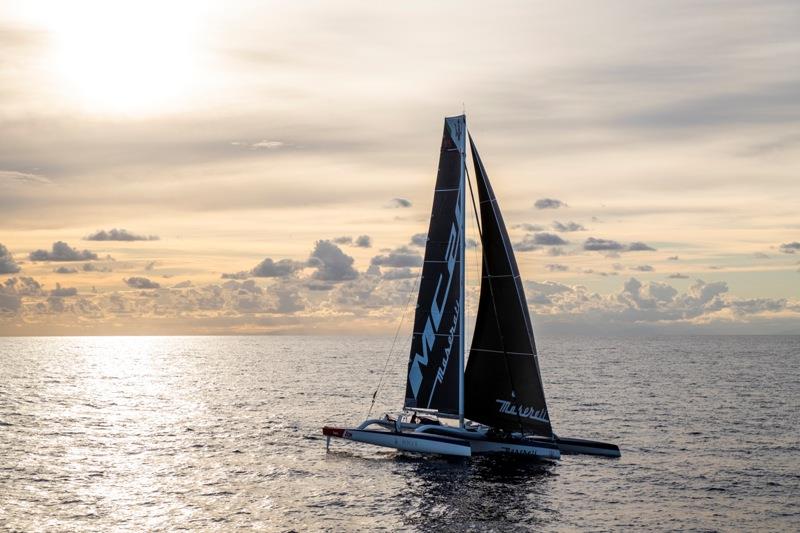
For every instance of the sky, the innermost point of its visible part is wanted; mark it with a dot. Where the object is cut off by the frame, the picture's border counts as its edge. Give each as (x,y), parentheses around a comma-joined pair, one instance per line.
(268,167)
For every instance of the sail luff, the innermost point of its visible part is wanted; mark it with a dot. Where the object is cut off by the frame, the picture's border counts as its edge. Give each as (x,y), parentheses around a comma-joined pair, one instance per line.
(462,246)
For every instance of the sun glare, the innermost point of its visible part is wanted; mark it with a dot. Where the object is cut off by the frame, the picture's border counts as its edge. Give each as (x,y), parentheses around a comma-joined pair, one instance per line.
(128,58)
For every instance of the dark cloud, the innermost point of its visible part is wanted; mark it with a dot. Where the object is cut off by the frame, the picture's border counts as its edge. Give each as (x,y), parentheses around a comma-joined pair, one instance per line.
(137,282)
(13,289)
(7,263)
(61,292)
(548,239)
(529,227)
(182,285)
(527,244)
(471,243)
(556,252)
(643,268)
(331,263)
(677,275)
(91,267)
(62,252)
(790,247)
(548,203)
(363,241)
(672,258)
(399,257)
(119,235)
(597,245)
(242,274)
(317,286)
(569,226)
(553,267)
(343,240)
(640,247)
(65,270)
(277,269)
(419,239)
(400,202)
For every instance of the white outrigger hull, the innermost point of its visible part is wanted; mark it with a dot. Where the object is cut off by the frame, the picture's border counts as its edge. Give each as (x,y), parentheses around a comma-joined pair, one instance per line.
(442,440)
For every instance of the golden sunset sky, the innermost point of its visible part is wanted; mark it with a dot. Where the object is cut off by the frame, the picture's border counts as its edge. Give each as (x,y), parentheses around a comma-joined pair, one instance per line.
(660,141)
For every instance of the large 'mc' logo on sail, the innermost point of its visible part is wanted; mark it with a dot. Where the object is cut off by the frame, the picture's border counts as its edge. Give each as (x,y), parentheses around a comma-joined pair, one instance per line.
(435,316)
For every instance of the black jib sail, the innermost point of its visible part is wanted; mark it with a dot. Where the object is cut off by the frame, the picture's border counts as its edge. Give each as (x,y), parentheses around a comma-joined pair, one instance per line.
(503,387)
(433,367)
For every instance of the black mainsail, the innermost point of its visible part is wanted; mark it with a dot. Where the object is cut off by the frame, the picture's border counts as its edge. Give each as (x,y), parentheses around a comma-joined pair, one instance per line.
(503,387)
(434,369)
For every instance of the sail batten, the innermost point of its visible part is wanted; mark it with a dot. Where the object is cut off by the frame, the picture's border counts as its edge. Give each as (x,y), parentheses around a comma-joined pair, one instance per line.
(502,380)
(435,379)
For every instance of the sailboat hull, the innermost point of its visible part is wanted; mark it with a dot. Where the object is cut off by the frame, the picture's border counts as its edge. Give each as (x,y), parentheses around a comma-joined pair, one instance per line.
(410,442)
(570,446)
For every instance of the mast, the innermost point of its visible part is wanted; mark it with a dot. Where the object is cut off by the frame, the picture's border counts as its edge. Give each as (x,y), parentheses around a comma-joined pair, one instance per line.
(463,271)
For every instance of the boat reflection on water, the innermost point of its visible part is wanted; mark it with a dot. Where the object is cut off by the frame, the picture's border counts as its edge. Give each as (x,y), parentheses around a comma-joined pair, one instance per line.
(484,492)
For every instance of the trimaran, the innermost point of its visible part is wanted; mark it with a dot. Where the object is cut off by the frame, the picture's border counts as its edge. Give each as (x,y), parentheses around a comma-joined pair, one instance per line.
(498,400)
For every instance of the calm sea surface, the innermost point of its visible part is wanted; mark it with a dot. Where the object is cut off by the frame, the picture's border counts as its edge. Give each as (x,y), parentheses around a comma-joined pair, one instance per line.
(223,433)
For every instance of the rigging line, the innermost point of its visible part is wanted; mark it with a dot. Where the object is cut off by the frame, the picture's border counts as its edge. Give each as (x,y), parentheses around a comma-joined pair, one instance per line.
(494,305)
(394,341)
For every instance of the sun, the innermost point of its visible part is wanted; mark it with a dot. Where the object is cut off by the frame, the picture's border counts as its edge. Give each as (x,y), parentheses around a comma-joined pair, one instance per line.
(124,57)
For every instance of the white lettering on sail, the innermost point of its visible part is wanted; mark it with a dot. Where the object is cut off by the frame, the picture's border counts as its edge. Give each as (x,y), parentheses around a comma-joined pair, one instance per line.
(436,312)
(523,411)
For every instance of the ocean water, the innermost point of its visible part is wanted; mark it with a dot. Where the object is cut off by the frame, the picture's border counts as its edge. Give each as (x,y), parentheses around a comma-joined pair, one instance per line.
(223,433)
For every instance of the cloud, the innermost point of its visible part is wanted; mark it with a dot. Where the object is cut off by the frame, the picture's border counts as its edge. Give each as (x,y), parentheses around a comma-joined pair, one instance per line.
(13,289)
(119,235)
(7,263)
(242,274)
(399,273)
(595,245)
(91,267)
(640,247)
(277,269)
(569,226)
(400,202)
(643,268)
(760,255)
(331,263)
(527,244)
(62,252)
(548,203)
(537,240)
(471,243)
(137,282)
(260,145)
(790,247)
(678,275)
(419,239)
(607,245)
(399,257)
(65,270)
(672,258)
(554,267)
(343,240)
(61,292)
(182,285)
(363,241)
(11,176)
(529,227)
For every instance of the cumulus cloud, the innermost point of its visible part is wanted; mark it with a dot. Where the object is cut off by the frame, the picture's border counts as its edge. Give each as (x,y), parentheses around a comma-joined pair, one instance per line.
(534,242)
(7,263)
(66,270)
(91,267)
(276,269)
(596,245)
(399,273)
(548,203)
(790,247)
(363,241)
(399,257)
(61,292)
(640,247)
(419,239)
(678,275)
(137,282)
(343,240)
(400,202)
(331,263)
(554,267)
(567,227)
(61,251)
(242,274)
(115,234)
(643,268)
